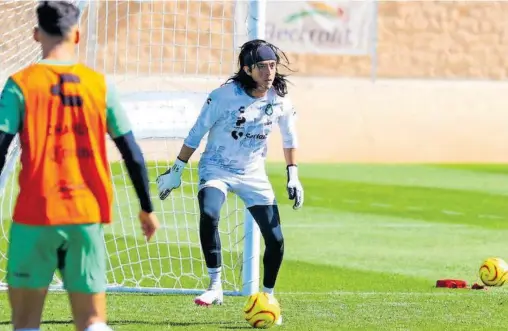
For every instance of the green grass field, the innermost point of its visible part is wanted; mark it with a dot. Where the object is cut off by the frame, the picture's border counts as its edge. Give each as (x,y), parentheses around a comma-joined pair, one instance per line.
(363,254)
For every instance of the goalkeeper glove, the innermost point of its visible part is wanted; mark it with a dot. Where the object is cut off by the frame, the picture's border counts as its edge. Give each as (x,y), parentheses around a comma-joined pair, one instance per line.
(294,187)
(171,179)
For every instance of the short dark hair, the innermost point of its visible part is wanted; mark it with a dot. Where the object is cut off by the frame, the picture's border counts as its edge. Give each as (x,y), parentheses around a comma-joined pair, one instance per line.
(56,18)
(248,51)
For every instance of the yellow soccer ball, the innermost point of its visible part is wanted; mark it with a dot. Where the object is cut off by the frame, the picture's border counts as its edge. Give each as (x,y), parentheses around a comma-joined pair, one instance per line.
(494,272)
(261,310)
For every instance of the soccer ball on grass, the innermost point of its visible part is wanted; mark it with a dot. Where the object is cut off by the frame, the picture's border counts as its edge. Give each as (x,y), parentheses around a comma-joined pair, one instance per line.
(494,272)
(261,310)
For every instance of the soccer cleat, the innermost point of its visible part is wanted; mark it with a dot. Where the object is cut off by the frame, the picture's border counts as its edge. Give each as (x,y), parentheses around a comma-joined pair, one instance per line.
(279,320)
(210,297)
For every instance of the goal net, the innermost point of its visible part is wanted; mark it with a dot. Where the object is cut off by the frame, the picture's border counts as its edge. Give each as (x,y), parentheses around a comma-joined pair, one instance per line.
(164,57)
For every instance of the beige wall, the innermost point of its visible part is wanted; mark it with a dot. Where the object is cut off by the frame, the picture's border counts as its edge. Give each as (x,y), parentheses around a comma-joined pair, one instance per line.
(400,121)
(355,120)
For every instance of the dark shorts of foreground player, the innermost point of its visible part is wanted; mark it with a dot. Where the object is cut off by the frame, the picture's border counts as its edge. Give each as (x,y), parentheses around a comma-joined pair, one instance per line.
(78,251)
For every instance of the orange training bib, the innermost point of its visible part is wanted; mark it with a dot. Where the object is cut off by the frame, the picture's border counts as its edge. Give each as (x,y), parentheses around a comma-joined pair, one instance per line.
(65,176)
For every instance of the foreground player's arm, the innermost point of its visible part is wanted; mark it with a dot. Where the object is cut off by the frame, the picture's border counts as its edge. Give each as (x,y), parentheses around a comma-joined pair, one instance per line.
(119,128)
(287,125)
(12,104)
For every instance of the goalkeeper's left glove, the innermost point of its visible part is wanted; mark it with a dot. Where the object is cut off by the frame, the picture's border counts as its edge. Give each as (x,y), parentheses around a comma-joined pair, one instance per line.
(294,187)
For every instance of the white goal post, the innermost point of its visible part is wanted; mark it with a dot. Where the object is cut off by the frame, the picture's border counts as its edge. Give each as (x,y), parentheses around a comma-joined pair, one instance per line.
(164,57)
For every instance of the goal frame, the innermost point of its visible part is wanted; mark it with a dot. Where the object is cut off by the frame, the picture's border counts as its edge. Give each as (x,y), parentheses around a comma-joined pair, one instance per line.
(256,21)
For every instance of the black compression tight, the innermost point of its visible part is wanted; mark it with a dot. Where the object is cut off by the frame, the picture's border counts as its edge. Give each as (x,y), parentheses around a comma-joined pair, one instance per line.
(267,217)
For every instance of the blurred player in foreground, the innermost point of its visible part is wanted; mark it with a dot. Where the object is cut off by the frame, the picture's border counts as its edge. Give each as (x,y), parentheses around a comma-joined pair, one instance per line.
(239,117)
(62,111)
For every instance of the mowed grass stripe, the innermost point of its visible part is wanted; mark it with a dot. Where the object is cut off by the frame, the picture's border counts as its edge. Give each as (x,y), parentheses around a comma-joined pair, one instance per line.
(429,204)
(296,275)
(417,199)
(404,175)
(391,245)
(483,168)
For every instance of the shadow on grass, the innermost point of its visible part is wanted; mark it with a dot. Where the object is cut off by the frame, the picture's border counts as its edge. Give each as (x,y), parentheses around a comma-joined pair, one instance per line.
(222,325)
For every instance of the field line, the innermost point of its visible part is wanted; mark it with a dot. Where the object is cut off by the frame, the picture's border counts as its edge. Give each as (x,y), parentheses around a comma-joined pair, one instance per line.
(421,209)
(393,293)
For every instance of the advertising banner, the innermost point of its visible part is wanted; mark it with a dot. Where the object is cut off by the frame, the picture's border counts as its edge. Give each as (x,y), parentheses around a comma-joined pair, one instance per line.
(320,27)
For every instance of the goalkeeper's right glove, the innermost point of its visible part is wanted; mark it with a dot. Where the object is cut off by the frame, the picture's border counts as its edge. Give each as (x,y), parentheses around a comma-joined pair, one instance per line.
(171,179)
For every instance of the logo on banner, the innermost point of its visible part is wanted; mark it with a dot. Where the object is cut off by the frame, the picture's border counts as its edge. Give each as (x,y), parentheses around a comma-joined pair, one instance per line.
(321,26)
(318,8)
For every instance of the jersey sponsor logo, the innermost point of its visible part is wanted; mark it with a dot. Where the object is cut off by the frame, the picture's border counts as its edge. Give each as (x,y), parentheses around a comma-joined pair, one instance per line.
(237,132)
(79,129)
(60,153)
(240,120)
(66,189)
(259,136)
(21,274)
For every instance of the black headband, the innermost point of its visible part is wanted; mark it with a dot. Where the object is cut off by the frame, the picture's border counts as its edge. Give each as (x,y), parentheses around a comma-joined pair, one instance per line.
(263,53)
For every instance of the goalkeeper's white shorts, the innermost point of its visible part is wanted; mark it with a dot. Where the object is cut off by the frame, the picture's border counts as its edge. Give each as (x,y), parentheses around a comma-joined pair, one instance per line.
(254,189)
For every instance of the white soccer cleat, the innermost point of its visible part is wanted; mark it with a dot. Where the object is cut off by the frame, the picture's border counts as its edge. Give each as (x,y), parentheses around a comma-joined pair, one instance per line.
(210,297)
(279,320)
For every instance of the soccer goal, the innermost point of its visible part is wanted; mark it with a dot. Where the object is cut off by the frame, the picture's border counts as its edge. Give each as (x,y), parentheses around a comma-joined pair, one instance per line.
(164,56)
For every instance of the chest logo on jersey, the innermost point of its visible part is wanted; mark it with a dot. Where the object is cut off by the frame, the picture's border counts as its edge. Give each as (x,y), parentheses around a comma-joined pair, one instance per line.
(240,121)
(269,109)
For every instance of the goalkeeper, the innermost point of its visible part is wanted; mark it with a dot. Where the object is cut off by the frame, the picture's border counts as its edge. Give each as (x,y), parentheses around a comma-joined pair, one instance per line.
(239,117)
(62,111)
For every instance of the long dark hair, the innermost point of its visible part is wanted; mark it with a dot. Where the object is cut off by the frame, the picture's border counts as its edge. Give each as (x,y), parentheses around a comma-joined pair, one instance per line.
(246,81)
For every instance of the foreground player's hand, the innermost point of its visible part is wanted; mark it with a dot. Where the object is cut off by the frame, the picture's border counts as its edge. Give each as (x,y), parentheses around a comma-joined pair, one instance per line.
(294,187)
(170,180)
(149,224)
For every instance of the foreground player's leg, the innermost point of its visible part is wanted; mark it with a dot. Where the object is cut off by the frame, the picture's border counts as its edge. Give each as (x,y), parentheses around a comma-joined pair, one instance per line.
(83,268)
(30,267)
(89,311)
(210,201)
(268,220)
(26,306)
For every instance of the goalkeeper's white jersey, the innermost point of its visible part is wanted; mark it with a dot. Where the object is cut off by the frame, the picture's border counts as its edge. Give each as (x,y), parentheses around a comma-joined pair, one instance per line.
(238,127)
